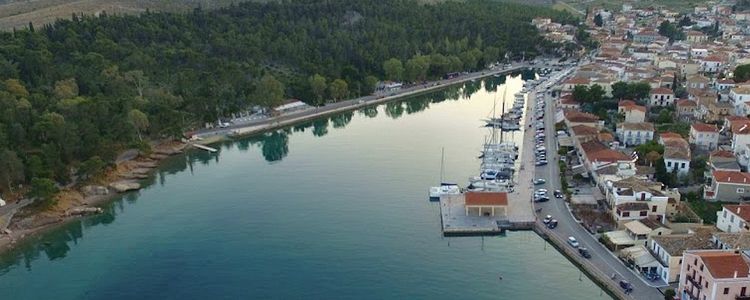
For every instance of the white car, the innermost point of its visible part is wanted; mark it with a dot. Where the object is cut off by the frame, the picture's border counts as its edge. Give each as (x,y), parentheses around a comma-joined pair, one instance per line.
(573,242)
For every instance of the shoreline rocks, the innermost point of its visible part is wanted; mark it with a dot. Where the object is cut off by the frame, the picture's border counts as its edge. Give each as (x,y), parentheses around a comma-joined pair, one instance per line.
(125,186)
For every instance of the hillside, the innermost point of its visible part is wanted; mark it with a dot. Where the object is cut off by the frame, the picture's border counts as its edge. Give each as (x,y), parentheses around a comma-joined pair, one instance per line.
(75,92)
(18,13)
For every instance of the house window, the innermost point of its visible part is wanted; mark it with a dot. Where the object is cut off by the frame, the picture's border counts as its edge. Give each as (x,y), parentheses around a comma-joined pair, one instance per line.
(669,164)
(653,208)
(740,190)
(743,290)
(626,214)
(731,219)
(725,214)
(644,213)
(683,165)
(701,268)
(726,291)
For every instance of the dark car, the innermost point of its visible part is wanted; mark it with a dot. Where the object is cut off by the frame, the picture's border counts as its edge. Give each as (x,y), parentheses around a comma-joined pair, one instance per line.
(541,199)
(626,286)
(584,252)
(552,224)
(558,194)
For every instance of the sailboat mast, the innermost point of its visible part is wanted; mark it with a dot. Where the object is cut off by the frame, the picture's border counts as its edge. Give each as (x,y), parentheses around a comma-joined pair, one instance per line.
(442,162)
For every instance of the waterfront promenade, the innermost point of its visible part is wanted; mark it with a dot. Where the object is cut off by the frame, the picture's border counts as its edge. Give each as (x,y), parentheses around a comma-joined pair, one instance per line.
(213,135)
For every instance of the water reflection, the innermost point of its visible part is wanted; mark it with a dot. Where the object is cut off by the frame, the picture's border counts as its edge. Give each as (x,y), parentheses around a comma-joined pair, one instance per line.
(274,147)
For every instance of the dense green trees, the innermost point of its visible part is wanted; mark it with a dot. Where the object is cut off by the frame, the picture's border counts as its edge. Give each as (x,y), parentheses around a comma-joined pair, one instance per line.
(668,29)
(394,69)
(742,73)
(630,90)
(75,92)
(586,94)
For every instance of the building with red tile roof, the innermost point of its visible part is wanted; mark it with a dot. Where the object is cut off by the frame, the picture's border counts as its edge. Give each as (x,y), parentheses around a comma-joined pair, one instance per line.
(714,275)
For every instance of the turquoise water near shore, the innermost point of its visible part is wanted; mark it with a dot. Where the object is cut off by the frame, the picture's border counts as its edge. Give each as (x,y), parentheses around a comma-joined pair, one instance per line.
(335,208)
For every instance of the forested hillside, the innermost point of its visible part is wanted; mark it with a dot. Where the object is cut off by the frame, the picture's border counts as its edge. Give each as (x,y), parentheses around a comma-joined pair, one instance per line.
(75,92)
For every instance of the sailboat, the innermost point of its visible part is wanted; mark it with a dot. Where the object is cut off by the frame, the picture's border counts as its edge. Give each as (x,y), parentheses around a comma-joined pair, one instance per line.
(445,188)
(498,157)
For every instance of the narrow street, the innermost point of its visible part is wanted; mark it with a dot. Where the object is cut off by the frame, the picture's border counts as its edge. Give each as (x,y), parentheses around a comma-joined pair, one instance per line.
(557,208)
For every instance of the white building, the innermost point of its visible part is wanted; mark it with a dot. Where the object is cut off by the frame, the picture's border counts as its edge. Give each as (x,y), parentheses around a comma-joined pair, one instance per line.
(704,136)
(733,218)
(739,95)
(635,199)
(633,134)
(661,97)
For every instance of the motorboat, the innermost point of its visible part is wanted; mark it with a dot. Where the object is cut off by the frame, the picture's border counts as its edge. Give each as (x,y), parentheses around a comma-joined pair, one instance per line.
(510,127)
(438,191)
(489,174)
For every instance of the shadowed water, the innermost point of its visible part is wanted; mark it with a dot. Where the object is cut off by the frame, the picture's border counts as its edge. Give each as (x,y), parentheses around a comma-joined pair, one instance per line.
(335,208)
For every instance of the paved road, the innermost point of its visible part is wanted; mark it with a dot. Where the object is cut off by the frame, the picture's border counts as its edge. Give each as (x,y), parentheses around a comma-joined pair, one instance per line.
(7,211)
(354,102)
(601,257)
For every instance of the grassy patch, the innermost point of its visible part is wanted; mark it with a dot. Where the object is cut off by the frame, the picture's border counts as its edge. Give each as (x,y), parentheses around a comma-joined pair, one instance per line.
(706,210)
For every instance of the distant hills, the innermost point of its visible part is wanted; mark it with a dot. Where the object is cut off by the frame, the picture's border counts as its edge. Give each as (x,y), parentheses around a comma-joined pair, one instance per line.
(18,13)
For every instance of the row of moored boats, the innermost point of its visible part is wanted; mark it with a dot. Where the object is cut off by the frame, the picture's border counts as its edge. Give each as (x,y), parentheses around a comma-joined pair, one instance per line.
(498,157)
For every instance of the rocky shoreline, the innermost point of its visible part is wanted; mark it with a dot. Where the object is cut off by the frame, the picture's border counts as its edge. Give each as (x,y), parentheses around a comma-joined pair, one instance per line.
(79,201)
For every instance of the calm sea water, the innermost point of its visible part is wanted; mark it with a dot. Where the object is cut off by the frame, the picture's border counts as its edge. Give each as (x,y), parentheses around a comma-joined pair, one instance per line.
(336,208)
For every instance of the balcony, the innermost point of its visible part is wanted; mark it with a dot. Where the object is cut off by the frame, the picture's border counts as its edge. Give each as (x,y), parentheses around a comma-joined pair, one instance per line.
(658,258)
(695,283)
(687,296)
(738,297)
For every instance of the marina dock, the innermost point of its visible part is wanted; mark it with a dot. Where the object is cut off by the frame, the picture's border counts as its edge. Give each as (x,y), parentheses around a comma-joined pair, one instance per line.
(456,222)
(519,212)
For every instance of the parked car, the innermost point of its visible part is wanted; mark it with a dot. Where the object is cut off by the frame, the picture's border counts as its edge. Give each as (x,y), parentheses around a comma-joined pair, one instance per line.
(539,181)
(547,219)
(626,286)
(541,199)
(552,224)
(584,252)
(541,163)
(558,194)
(573,242)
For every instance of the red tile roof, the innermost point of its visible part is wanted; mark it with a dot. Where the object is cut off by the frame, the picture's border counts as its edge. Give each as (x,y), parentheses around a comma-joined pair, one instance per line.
(568,99)
(596,151)
(703,127)
(741,210)
(580,117)
(581,130)
(733,177)
(661,91)
(577,80)
(740,127)
(722,153)
(669,135)
(685,102)
(626,103)
(486,198)
(724,264)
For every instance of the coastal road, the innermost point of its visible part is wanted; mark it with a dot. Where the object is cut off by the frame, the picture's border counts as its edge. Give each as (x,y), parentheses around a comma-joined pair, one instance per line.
(365,100)
(7,211)
(601,258)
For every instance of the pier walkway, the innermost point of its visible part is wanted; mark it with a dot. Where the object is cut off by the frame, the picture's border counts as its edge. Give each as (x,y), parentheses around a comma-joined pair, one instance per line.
(520,207)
